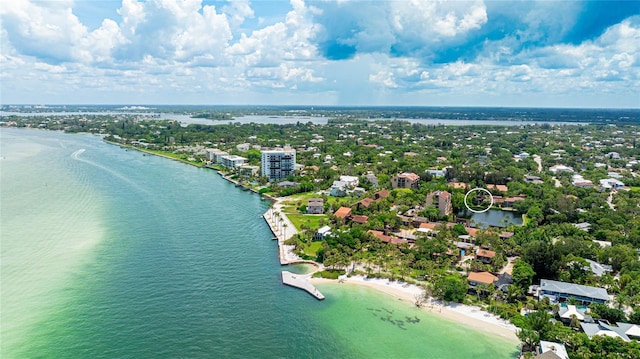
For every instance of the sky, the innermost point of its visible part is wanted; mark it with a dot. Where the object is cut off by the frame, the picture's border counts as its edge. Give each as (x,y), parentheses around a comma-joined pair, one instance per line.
(323,52)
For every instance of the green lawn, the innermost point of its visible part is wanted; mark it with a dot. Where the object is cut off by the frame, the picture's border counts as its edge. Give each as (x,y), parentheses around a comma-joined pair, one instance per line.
(311,220)
(635,188)
(312,249)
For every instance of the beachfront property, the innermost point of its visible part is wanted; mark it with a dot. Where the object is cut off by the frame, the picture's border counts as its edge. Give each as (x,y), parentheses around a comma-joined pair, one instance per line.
(232,161)
(551,350)
(315,206)
(475,279)
(248,170)
(441,200)
(561,291)
(277,163)
(215,155)
(322,233)
(624,331)
(405,180)
(568,312)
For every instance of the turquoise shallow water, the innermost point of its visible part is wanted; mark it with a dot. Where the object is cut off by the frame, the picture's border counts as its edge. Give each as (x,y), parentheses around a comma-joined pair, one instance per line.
(109,253)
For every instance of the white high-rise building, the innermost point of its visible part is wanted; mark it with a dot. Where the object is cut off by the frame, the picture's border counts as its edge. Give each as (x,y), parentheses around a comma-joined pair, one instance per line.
(278,163)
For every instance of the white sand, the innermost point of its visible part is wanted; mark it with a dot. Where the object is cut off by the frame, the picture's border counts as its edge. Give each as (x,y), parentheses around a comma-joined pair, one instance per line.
(473,317)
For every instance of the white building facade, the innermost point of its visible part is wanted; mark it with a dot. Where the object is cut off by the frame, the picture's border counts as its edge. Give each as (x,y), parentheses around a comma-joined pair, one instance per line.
(278,163)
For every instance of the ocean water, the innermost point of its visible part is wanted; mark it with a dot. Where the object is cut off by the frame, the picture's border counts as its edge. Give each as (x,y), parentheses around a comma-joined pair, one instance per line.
(109,253)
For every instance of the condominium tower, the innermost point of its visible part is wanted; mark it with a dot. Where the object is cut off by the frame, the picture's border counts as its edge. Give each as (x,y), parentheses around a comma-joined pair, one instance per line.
(278,163)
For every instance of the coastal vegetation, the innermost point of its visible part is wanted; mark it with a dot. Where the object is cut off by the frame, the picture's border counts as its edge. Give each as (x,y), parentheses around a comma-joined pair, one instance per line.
(567,224)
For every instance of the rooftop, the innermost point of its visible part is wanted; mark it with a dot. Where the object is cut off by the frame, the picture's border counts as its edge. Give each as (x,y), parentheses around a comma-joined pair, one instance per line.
(574,289)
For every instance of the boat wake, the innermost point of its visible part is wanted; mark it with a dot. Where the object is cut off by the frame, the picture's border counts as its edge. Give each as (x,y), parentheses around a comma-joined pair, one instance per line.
(76,155)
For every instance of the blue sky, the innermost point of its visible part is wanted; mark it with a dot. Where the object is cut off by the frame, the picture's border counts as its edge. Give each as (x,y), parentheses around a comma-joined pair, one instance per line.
(322,52)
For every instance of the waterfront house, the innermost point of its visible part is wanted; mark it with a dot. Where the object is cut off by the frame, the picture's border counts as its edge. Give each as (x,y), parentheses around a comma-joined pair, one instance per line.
(248,171)
(561,291)
(315,206)
(232,161)
(566,314)
(405,180)
(475,279)
(624,331)
(322,233)
(551,350)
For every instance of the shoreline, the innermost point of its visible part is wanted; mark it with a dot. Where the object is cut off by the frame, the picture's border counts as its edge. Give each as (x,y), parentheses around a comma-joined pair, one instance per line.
(469,316)
(472,317)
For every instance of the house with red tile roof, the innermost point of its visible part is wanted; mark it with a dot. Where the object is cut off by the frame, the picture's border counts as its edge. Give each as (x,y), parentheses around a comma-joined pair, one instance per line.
(381,194)
(359,219)
(477,278)
(364,203)
(387,239)
(343,212)
(485,256)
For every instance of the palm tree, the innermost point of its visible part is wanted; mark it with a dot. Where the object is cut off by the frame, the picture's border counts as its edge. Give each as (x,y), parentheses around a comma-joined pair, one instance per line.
(284,229)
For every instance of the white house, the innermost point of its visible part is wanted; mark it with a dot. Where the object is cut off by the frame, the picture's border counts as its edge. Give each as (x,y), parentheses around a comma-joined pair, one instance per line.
(560,168)
(610,183)
(233,161)
(322,233)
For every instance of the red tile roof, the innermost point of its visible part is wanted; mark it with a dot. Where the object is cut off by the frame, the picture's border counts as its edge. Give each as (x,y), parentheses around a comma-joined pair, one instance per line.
(387,239)
(359,219)
(429,225)
(366,202)
(481,277)
(499,187)
(382,194)
(485,253)
(411,176)
(343,212)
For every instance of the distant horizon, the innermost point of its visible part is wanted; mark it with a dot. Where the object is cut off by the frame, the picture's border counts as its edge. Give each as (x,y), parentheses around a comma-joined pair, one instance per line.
(58,105)
(472,53)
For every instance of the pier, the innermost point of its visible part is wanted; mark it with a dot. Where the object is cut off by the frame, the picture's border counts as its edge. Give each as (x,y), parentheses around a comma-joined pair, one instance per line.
(300,281)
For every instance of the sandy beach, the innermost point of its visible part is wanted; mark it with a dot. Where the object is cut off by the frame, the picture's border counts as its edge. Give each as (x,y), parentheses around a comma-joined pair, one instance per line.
(473,317)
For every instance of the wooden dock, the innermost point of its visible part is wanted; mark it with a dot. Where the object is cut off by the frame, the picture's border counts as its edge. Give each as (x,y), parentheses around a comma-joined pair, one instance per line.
(300,281)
